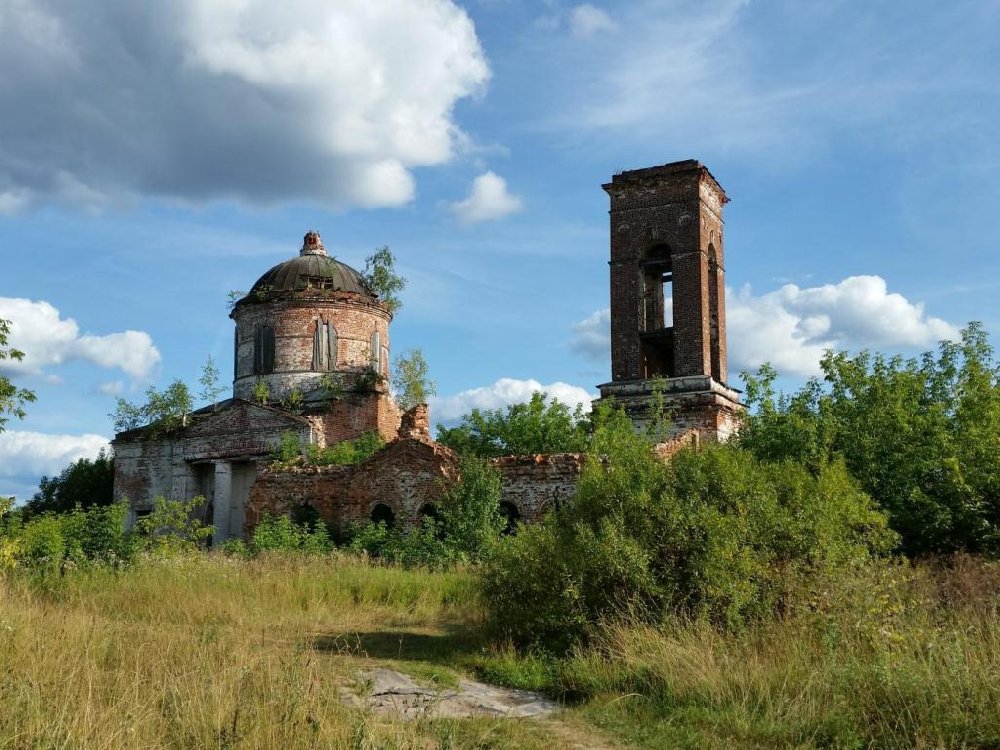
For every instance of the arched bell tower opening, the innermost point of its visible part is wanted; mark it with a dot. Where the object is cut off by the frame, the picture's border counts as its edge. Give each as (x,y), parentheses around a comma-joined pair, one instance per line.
(668,322)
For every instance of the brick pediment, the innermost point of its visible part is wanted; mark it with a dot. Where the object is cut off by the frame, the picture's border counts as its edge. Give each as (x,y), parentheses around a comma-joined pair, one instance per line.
(242,417)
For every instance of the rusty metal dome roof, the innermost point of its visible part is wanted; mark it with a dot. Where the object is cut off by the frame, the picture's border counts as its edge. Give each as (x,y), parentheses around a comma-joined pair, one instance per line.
(312,270)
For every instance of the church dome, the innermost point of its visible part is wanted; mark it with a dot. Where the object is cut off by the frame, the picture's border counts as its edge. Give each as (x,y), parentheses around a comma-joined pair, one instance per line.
(313,271)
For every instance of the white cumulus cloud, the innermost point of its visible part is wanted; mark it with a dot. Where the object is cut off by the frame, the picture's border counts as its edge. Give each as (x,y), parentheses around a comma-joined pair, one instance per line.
(34,453)
(502,393)
(792,326)
(46,338)
(586,20)
(591,337)
(488,199)
(261,101)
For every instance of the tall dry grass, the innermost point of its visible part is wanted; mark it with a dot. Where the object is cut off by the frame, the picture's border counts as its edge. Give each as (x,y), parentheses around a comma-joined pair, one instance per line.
(892,657)
(205,651)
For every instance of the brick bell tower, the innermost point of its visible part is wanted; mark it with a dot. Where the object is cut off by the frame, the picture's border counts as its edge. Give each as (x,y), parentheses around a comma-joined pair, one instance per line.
(668,299)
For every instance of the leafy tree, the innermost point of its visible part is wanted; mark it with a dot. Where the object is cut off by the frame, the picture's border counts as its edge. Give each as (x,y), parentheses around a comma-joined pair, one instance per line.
(471,521)
(209,381)
(539,426)
(12,399)
(163,411)
(84,483)
(410,381)
(920,435)
(380,275)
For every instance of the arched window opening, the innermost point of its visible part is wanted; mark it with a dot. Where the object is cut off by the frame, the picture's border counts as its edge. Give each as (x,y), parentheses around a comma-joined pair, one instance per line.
(304,514)
(263,350)
(383,514)
(324,346)
(714,333)
(377,352)
(655,320)
(429,513)
(512,517)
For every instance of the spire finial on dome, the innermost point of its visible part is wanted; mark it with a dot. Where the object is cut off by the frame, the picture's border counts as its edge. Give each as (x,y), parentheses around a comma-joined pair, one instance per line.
(312,244)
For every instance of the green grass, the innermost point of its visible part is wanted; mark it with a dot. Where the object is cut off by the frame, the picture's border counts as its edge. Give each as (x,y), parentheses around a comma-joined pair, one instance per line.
(207,651)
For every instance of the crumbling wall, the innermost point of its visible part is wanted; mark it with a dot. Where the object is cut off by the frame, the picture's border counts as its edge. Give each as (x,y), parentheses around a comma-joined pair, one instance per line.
(533,484)
(405,475)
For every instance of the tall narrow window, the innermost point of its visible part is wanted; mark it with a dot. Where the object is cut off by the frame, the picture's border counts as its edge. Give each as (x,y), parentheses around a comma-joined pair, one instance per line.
(714,336)
(655,321)
(657,277)
(263,350)
(324,346)
(377,352)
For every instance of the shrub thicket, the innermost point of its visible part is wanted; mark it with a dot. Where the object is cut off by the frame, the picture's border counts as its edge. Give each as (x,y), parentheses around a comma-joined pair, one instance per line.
(713,534)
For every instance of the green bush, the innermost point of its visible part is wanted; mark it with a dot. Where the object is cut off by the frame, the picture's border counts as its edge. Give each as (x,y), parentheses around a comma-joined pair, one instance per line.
(95,535)
(173,527)
(539,426)
(715,534)
(468,524)
(347,452)
(282,534)
(422,547)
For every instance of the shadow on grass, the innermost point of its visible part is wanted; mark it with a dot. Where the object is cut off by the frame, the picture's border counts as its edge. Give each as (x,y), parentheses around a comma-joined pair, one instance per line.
(449,647)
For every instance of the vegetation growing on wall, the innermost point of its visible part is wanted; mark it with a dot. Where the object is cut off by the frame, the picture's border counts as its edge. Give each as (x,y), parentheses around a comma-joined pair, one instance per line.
(410,380)
(381,277)
(164,411)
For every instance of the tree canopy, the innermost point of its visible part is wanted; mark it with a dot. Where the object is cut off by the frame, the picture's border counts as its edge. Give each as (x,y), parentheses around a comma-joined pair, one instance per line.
(920,435)
(86,482)
(538,426)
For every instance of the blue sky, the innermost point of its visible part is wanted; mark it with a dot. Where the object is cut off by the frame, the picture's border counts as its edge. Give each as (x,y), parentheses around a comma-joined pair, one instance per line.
(151,160)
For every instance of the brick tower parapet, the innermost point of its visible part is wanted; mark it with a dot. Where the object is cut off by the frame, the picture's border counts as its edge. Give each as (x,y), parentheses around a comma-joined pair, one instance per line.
(668,308)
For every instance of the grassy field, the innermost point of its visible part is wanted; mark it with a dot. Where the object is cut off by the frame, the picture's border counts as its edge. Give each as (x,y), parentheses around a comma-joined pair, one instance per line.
(207,651)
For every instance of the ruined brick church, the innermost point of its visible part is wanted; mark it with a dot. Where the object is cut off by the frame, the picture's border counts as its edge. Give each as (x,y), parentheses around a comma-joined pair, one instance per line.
(311,353)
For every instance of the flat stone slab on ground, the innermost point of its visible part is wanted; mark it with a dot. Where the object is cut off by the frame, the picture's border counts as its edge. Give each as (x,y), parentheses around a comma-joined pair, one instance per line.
(396,693)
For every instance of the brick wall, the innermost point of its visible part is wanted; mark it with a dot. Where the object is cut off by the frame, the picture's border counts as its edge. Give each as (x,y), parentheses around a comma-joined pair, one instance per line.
(678,205)
(404,476)
(533,484)
(294,324)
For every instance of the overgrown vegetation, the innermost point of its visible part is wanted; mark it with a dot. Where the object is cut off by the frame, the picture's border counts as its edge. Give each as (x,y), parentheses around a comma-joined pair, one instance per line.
(715,534)
(921,436)
(163,411)
(465,525)
(85,482)
(381,277)
(344,453)
(410,380)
